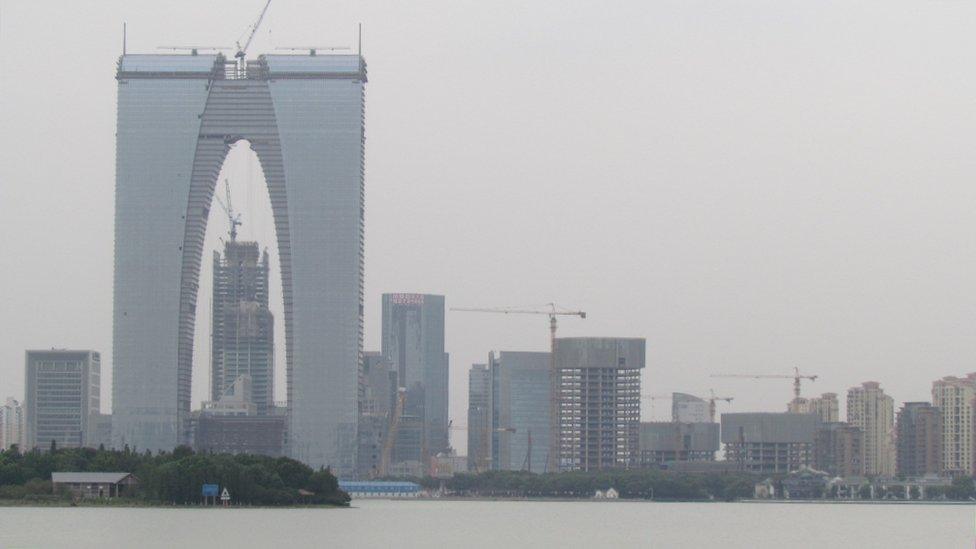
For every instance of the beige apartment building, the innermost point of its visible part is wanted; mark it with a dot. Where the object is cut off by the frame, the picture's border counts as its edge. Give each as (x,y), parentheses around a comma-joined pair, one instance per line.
(955,398)
(826,406)
(871,410)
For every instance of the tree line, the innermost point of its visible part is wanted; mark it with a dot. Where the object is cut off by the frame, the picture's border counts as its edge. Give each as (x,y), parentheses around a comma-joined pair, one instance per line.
(175,477)
(630,484)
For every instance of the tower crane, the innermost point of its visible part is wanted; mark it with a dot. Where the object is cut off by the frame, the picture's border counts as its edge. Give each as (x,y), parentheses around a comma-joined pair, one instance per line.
(552,311)
(235,220)
(711,404)
(796,376)
(242,50)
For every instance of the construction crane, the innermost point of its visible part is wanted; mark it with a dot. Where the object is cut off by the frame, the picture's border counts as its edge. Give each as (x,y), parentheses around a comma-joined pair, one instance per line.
(796,377)
(711,404)
(235,219)
(552,312)
(242,50)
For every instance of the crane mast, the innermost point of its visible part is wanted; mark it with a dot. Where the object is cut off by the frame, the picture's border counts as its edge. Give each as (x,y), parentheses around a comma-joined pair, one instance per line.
(552,312)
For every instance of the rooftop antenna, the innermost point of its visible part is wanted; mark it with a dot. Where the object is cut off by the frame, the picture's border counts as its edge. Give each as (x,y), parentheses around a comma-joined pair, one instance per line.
(242,50)
(123,37)
(359,47)
(235,220)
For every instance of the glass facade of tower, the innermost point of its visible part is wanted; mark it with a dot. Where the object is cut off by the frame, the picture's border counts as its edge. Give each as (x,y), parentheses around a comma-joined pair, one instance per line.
(178,115)
(520,387)
(413,342)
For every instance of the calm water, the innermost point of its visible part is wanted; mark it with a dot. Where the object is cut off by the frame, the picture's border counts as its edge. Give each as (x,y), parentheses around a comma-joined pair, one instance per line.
(441,524)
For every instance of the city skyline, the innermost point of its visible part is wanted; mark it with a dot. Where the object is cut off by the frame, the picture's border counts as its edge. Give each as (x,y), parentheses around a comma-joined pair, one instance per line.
(868,297)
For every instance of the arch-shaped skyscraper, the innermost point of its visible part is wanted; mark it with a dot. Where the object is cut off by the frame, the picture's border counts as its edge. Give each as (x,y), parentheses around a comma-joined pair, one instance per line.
(178,116)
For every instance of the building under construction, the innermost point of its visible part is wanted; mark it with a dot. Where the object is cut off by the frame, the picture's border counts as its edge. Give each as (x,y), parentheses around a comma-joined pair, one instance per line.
(243,326)
(598,402)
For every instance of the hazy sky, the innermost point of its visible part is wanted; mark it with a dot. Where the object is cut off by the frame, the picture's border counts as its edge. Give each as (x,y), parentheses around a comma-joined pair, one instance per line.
(751,186)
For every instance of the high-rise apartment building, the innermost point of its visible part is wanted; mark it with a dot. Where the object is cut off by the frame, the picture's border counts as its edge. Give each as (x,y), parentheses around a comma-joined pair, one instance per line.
(919,440)
(242,334)
(871,410)
(769,442)
(956,398)
(520,388)
(479,418)
(826,406)
(12,426)
(413,342)
(304,118)
(839,449)
(598,404)
(687,408)
(62,390)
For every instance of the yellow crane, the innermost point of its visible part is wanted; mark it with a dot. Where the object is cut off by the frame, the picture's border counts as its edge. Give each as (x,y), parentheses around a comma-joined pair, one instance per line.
(796,377)
(387,454)
(552,311)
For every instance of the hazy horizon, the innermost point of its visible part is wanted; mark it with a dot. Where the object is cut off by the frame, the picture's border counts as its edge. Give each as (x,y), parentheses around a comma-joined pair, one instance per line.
(750,187)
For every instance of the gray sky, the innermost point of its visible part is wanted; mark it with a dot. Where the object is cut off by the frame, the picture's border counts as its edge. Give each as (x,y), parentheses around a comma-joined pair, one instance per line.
(749,185)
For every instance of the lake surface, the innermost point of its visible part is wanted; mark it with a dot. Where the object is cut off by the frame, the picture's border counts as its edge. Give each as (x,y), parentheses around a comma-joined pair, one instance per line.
(439,524)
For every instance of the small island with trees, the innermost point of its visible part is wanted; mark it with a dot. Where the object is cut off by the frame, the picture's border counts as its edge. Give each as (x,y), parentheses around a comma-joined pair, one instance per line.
(168,478)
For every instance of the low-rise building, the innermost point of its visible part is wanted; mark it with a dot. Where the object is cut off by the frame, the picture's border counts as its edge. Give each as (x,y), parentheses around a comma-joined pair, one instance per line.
(662,442)
(379,489)
(769,442)
(95,485)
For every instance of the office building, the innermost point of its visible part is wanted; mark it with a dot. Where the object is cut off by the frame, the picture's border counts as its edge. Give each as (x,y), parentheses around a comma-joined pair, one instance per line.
(12,425)
(598,402)
(956,398)
(839,449)
(919,440)
(520,410)
(99,432)
(479,418)
(870,409)
(178,116)
(379,390)
(687,408)
(411,453)
(242,335)
(62,390)
(663,442)
(769,442)
(413,342)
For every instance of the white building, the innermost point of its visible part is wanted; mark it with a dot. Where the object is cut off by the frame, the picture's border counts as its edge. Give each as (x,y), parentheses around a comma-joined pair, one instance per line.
(12,426)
